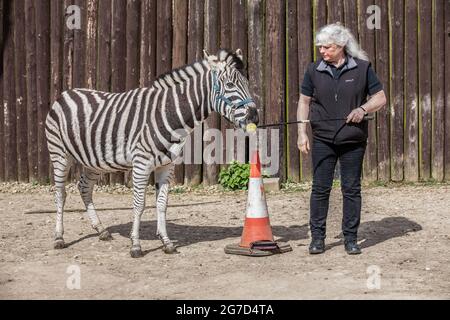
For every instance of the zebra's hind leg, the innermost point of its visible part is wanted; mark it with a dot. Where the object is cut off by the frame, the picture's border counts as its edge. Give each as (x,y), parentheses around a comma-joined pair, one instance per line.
(61,167)
(140,180)
(163,177)
(86,187)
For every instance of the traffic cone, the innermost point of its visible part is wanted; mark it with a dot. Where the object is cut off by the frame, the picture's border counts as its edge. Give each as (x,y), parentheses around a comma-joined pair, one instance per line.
(257,238)
(257,223)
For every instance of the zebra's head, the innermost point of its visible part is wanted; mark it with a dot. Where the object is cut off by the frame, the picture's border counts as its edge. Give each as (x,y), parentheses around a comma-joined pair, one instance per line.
(230,94)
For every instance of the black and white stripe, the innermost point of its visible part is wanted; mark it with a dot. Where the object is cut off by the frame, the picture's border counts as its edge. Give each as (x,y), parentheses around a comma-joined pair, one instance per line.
(142,130)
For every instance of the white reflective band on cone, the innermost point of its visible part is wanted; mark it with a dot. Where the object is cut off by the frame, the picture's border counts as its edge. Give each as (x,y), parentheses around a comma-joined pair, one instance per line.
(256,203)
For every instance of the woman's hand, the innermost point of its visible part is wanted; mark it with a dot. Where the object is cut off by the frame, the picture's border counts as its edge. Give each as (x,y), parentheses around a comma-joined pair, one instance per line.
(357,115)
(303,142)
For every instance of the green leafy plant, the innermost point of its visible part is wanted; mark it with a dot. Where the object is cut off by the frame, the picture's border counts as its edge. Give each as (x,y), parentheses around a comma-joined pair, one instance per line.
(235,176)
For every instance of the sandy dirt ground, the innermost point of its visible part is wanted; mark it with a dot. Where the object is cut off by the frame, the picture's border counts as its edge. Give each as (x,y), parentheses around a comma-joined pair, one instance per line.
(404,234)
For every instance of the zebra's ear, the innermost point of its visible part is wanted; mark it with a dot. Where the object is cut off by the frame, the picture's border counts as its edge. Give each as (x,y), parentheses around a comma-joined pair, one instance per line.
(213,61)
(239,54)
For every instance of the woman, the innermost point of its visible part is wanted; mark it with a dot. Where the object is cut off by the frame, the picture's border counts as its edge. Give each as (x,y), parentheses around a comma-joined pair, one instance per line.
(337,87)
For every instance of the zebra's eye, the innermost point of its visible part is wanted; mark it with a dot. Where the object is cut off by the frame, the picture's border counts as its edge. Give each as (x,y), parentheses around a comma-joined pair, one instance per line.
(229,85)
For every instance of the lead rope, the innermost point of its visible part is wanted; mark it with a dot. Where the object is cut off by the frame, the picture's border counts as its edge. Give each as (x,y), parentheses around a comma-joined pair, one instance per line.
(366,118)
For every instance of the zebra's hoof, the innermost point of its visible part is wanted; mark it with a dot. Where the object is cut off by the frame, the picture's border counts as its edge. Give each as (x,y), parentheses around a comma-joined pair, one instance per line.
(136,252)
(59,244)
(170,248)
(105,236)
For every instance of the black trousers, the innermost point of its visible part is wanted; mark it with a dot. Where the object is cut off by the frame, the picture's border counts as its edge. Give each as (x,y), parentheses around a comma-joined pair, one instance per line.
(324,157)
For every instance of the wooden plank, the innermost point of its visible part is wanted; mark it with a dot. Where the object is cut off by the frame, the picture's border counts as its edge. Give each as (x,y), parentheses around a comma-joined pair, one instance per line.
(148,42)
(179,56)
(133,52)
(211,39)
(305,57)
(164,37)
(68,52)
(9,95)
(2,138)
(225,42)
(425,112)
(91,44)
(255,54)
(397,90)
(351,16)
(32,108)
(21,95)
(438,84)
(103,81)
(79,49)
(447,92)
(293,154)
(320,19)
(367,42)
(411,93)
(118,58)
(275,76)
(238,27)
(335,11)
(193,172)
(43,84)
(104,45)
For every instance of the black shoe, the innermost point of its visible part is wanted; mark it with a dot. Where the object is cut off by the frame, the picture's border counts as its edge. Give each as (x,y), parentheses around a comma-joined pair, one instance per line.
(317,246)
(352,247)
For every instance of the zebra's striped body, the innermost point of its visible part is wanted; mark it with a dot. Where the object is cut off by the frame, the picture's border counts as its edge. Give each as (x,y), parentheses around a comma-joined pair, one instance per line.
(142,130)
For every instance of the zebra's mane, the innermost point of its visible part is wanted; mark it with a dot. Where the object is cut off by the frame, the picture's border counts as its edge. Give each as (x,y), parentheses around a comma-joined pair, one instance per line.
(232,58)
(224,55)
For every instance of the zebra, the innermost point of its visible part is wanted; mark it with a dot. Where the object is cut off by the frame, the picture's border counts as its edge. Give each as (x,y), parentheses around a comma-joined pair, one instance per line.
(141,130)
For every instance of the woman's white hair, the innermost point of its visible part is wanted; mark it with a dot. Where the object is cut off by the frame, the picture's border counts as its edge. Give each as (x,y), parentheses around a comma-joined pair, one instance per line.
(341,36)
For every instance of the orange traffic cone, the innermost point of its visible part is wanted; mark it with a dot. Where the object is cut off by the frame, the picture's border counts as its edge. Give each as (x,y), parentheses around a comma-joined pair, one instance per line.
(257,223)
(257,238)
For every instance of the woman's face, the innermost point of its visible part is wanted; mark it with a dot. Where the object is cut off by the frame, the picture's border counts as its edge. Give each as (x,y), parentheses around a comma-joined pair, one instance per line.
(331,52)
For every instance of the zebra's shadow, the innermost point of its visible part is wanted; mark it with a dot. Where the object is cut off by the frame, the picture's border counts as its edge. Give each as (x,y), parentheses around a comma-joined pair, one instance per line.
(185,235)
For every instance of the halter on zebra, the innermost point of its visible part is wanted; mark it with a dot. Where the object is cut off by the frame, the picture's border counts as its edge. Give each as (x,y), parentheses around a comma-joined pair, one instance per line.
(142,130)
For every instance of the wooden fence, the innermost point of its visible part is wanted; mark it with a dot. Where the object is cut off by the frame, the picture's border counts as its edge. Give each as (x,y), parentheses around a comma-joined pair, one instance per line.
(123,44)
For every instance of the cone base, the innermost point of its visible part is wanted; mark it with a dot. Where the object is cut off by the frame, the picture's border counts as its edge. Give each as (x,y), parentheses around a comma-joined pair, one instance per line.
(237,249)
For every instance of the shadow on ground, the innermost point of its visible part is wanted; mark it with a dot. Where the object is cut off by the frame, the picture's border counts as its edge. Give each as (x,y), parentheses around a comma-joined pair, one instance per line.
(372,232)
(376,232)
(186,235)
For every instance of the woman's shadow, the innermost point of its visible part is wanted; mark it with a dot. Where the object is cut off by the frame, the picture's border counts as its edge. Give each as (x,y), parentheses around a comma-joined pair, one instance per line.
(375,232)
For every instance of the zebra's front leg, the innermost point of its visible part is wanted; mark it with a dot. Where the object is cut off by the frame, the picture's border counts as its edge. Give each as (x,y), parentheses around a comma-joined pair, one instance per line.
(86,187)
(140,180)
(163,177)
